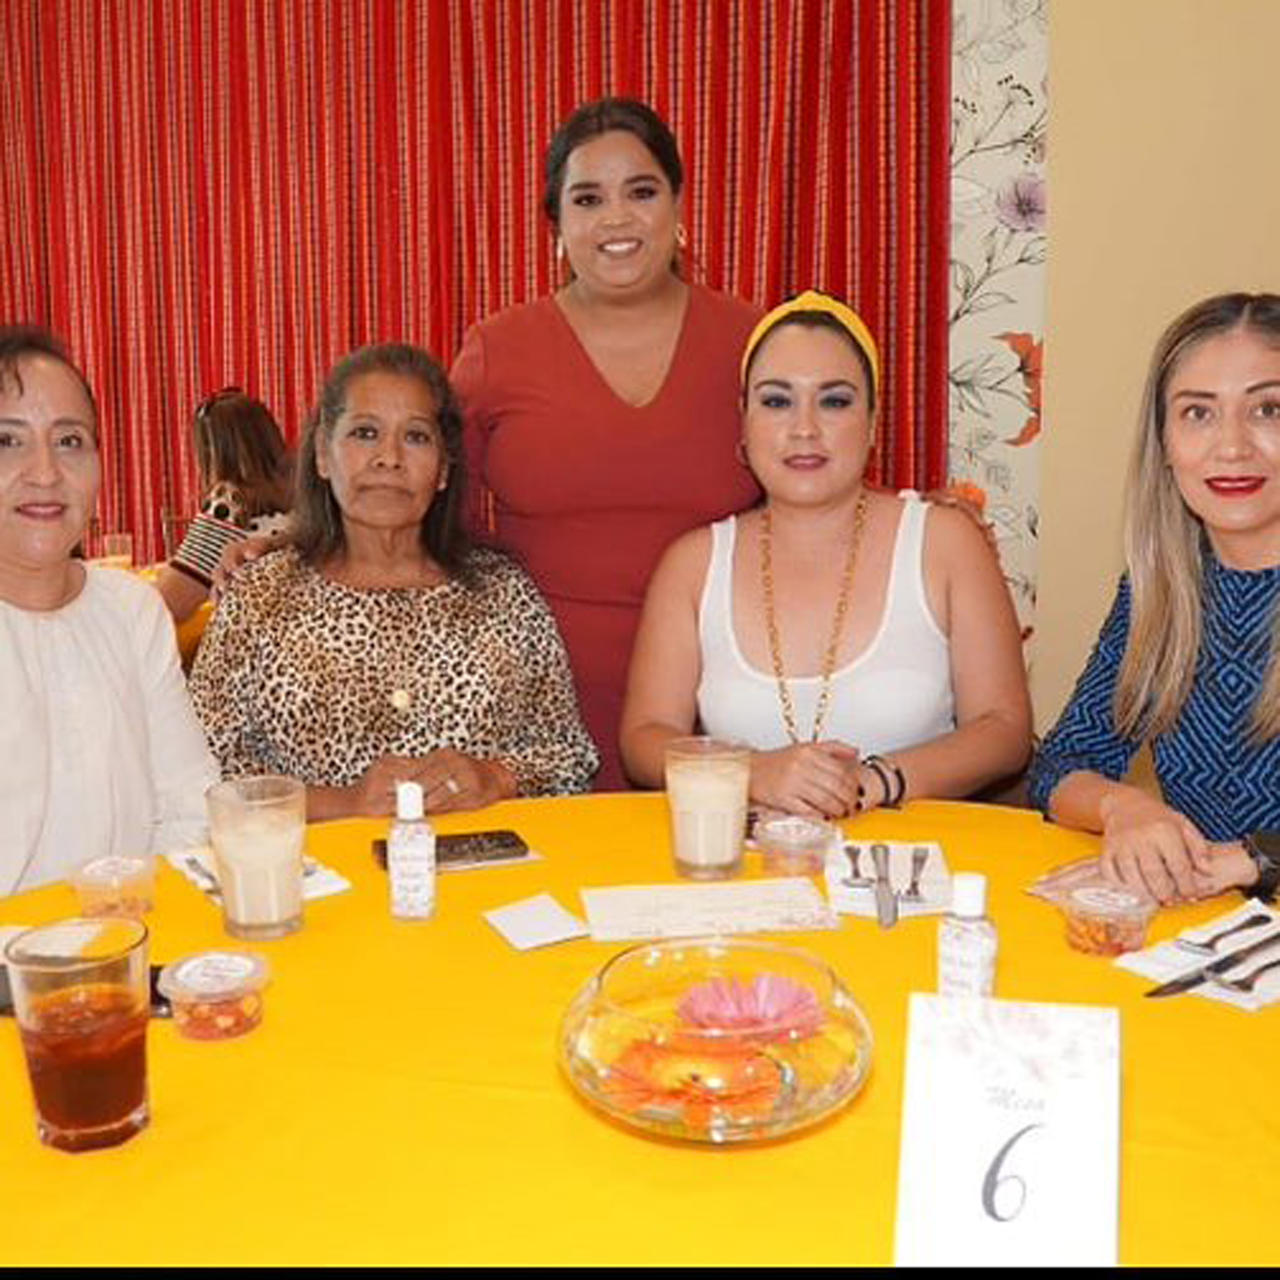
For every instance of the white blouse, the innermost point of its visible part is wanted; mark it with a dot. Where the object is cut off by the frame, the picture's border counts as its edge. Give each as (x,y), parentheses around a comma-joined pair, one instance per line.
(100,752)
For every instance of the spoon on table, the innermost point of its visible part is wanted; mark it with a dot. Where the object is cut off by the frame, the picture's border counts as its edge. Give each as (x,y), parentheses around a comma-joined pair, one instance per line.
(1209,945)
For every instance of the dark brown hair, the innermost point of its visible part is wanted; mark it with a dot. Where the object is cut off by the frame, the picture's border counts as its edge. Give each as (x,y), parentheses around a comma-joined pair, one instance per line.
(238,442)
(609,115)
(318,528)
(18,342)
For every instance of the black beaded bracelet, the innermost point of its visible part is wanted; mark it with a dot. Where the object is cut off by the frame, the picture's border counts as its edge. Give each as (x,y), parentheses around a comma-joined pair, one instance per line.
(895,783)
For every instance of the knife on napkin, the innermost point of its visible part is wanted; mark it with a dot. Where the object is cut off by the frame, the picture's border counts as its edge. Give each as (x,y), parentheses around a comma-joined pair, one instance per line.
(1207,972)
(886,901)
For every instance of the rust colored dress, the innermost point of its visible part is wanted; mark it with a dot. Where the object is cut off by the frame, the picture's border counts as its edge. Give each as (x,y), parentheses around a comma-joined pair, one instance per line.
(588,490)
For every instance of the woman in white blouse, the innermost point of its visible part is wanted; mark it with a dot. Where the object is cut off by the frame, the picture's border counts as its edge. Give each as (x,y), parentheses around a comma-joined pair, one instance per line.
(863,643)
(102,752)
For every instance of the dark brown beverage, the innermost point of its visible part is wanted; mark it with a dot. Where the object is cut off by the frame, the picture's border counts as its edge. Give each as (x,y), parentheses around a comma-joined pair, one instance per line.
(86,1052)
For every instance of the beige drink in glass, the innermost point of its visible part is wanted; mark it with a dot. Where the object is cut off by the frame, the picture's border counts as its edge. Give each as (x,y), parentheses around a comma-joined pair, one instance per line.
(258,827)
(707,794)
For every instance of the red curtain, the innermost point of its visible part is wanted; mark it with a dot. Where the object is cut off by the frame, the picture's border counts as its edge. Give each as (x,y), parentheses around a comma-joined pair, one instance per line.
(202,192)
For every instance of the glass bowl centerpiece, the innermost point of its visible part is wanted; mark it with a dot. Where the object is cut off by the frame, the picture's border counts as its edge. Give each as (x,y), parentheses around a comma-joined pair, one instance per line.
(716,1040)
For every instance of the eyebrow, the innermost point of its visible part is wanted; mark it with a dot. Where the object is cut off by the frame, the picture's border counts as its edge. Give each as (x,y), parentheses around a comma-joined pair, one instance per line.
(1213,395)
(822,386)
(57,422)
(585,184)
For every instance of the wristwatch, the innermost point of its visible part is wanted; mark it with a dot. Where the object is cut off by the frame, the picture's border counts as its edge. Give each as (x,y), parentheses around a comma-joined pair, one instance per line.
(1264,848)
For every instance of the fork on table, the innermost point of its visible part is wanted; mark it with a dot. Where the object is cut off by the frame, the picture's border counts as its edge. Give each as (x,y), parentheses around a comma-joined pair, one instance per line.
(1246,984)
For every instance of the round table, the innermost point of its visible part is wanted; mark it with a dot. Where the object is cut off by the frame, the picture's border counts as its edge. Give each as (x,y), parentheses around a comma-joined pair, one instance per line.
(401,1101)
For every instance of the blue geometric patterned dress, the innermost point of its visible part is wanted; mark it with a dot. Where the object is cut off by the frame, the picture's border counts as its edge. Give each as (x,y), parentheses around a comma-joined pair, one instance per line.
(1209,769)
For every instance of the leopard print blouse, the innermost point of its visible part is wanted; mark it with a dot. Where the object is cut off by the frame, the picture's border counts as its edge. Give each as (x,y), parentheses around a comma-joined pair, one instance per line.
(303,676)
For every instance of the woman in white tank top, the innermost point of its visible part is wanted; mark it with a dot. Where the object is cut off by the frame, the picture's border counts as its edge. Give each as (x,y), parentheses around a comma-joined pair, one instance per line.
(862,643)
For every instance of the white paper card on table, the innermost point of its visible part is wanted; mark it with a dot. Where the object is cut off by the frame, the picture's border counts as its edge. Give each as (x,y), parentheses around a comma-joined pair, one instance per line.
(934,883)
(1010,1134)
(628,912)
(1166,960)
(535,922)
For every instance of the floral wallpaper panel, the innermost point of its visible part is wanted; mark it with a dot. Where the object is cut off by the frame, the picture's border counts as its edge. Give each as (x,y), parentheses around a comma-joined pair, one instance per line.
(998,205)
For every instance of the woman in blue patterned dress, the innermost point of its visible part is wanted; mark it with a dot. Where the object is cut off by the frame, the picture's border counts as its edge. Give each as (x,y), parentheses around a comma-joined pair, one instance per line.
(1188,658)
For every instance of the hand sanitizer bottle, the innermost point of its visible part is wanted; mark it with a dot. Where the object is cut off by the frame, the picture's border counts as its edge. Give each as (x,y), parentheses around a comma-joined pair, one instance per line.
(411,857)
(967,940)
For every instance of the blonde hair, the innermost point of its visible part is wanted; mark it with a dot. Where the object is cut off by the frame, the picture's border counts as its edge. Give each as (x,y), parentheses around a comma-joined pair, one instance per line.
(1163,543)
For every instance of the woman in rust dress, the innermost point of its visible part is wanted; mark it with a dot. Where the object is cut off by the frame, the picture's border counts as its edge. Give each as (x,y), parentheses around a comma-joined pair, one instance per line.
(601,422)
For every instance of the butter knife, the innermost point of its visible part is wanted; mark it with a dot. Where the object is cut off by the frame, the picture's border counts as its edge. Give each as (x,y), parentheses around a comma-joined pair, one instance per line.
(886,901)
(1205,973)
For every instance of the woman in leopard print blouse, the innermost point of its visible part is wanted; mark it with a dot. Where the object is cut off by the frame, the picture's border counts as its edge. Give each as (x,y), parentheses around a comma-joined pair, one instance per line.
(379,647)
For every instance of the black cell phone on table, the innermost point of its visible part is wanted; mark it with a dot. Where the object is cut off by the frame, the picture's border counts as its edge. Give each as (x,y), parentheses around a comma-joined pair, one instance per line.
(160,1006)
(469,848)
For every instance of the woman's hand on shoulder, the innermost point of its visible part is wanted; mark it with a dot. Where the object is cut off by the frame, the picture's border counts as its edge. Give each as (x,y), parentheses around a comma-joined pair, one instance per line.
(970,501)
(812,778)
(1154,849)
(236,554)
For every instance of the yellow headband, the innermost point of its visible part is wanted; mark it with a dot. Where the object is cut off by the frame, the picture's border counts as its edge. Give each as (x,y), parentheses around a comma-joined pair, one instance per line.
(811,300)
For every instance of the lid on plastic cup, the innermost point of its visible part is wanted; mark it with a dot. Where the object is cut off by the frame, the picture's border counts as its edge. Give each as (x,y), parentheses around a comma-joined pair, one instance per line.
(968,894)
(213,975)
(1096,900)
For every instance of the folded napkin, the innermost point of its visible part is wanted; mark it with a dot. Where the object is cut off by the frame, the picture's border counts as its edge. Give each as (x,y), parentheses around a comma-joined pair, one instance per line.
(935,878)
(1166,960)
(197,864)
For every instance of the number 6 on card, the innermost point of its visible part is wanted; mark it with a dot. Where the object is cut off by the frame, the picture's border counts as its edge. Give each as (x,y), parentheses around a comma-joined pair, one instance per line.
(1010,1134)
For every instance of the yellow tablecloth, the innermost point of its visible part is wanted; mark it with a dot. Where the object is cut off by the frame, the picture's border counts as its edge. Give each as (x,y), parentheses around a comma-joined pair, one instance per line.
(401,1102)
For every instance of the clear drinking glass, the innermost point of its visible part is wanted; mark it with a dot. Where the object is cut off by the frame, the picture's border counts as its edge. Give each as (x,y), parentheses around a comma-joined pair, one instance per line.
(117,551)
(81,995)
(707,794)
(258,827)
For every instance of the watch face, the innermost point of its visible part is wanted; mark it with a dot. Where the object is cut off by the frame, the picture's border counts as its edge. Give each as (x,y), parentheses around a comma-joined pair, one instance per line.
(1266,843)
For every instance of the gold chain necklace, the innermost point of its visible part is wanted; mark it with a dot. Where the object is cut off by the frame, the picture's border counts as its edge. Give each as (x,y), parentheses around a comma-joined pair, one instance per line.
(837,625)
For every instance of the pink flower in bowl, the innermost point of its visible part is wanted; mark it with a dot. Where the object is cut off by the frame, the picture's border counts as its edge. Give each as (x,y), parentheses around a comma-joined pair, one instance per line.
(766,1007)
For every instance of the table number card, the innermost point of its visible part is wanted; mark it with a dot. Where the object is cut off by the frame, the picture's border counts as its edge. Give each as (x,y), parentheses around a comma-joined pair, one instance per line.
(1010,1134)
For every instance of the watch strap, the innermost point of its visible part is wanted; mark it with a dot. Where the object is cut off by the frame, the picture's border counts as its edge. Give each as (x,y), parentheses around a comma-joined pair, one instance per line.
(1263,847)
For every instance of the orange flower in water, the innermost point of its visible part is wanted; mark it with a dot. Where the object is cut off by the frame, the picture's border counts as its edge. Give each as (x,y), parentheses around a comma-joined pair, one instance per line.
(696,1079)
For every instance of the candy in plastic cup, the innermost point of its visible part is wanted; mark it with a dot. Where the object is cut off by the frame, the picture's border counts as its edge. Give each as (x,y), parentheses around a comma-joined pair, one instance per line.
(116,885)
(1104,921)
(216,995)
(794,845)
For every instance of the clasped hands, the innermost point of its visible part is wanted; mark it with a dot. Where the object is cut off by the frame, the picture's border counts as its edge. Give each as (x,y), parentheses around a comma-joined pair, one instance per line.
(818,779)
(1153,849)
(450,781)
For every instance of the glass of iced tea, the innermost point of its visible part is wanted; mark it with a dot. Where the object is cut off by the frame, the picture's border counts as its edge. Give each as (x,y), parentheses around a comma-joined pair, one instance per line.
(81,995)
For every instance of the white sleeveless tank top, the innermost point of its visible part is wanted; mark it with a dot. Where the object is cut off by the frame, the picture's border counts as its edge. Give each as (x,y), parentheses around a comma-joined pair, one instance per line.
(895,694)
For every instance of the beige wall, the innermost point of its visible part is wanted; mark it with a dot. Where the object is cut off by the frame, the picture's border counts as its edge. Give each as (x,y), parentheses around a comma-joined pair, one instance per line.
(1164,187)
